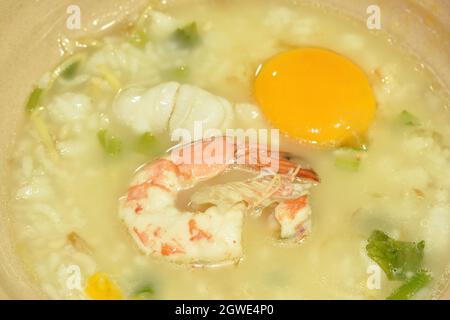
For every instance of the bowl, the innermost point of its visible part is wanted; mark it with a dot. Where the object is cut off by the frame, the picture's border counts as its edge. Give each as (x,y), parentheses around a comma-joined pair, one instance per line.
(31,40)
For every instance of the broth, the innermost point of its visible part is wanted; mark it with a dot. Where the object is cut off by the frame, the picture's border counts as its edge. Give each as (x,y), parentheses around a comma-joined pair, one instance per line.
(401,185)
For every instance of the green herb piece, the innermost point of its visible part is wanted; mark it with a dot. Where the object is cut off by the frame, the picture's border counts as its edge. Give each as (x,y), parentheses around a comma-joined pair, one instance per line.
(111,144)
(411,286)
(33,99)
(146,144)
(70,71)
(188,36)
(398,259)
(347,159)
(145,293)
(69,68)
(408,119)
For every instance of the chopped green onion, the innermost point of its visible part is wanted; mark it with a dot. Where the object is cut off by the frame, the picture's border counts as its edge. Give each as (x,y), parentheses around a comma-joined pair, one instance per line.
(33,99)
(408,119)
(187,36)
(145,293)
(398,259)
(411,286)
(70,71)
(146,144)
(347,159)
(111,144)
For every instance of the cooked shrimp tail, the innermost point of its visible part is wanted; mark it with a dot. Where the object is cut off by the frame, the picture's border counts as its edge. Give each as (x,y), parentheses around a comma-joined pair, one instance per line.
(213,235)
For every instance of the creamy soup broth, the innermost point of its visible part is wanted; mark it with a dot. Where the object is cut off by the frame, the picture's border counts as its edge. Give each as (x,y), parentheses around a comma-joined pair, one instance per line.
(64,201)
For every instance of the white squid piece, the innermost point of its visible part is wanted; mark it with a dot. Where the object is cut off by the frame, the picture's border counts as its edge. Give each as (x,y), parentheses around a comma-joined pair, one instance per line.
(171,106)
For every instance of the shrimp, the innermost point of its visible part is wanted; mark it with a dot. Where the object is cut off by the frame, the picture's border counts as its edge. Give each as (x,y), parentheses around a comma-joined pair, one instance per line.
(292,211)
(211,236)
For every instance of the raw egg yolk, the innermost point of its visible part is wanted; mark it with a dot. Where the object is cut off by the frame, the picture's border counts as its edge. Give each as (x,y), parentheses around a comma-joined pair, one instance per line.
(315,96)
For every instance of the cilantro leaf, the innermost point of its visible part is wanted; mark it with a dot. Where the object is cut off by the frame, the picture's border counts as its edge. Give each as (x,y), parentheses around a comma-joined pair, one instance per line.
(398,259)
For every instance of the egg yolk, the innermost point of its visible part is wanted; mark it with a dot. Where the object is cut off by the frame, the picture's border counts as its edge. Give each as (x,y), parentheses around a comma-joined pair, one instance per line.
(315,96)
